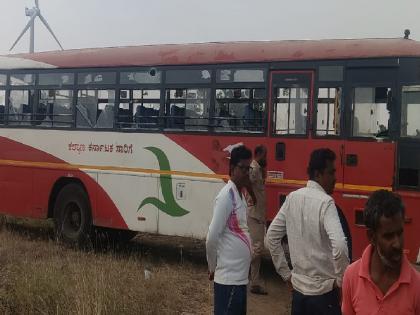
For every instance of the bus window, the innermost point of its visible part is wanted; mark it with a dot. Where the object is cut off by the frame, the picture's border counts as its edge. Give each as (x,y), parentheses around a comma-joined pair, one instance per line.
(94,78)
(240,110)
(20,79)
(43,111)
(139,109)
(95,109)
(146,107)
(3,79)
(54,108)
(197,109)
(125,119)
(2,105)
(290,107)
(331,73)
(328,112)
(370,114)
(105,115)
(187,109)
(142,77)
(58,79)
(240,75)
(20,107)
(188,76)
(410,111)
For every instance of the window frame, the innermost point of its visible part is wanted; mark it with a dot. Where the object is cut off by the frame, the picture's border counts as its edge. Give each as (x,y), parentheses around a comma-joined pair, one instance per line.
(401,87)
(350,115)
(33,102)
(324,85)
(167,103)
(371,73)
(131,88)
(117,87)
(299,70)
(58,86)
(53,126)
(3,120)
(243,86)
(76,98)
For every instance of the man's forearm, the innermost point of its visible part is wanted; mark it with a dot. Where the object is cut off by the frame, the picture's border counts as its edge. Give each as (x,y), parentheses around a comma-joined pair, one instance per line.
(275,234)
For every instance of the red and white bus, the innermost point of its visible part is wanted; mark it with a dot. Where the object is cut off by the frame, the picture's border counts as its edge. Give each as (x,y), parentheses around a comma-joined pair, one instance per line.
(137,138)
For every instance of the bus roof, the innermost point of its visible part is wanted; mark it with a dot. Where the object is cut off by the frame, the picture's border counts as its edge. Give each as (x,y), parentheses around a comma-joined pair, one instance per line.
(222,52)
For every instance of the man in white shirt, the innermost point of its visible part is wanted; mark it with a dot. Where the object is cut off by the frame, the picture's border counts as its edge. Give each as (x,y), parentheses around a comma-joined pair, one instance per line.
(228,244)
(317,245)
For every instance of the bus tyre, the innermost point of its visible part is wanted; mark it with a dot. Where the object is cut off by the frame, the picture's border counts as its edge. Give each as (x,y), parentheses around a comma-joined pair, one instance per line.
(72,215)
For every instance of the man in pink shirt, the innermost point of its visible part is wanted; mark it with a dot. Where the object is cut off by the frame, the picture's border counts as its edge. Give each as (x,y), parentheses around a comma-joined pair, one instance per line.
(382,282)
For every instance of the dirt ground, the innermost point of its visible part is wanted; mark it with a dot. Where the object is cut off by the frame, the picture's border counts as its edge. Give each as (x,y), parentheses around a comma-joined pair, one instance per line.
(179,248)
(158,251)
(186,253)
(278,300)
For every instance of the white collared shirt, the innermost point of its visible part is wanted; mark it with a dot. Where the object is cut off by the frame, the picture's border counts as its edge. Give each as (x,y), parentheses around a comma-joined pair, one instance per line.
(317,245)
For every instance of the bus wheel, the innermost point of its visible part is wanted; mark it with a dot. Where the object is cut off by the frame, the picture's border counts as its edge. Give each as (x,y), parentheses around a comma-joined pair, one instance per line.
(72,215)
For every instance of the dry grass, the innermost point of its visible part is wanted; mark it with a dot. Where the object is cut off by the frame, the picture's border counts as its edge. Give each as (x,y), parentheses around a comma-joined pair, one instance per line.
(39,276)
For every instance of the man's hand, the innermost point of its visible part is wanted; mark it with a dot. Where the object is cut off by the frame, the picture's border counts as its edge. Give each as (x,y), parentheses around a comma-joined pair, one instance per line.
(339,291)
(289,284)
(253,197)
(211,275)
(248,187)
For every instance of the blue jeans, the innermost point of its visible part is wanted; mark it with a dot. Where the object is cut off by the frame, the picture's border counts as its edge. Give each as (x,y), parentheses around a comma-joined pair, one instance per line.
(229,299)
(325,304)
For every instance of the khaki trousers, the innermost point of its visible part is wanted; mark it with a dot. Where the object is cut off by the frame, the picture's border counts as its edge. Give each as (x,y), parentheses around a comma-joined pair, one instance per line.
(256,231)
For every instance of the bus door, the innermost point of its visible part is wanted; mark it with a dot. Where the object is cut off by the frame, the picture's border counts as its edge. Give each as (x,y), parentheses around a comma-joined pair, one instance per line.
(291,101)
(369,153)
(408,166)
(409,142)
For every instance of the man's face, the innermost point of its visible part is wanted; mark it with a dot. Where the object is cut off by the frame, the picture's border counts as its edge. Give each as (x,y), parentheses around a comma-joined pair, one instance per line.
(240,172)
(388,240)
(326,178)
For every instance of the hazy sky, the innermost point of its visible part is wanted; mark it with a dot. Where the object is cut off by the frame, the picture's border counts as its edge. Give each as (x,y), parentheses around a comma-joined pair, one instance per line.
(100,23)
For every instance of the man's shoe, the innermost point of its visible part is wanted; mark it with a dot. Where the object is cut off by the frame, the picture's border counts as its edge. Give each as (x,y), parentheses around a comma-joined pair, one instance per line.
(256,289)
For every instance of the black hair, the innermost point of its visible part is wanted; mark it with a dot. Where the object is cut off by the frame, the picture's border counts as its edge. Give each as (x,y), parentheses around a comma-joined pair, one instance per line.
(318,161)
(381,203)
(259,149)
(239,153)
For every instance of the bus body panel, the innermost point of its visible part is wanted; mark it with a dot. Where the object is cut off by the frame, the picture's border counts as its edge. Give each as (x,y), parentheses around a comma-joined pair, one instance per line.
(171,192)
(16,190)
(108,188)
(411,202)
(352,204)
(164,180)
(375,164)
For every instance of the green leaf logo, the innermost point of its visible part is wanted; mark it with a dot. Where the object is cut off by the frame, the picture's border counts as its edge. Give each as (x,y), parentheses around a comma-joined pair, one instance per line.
(169,206)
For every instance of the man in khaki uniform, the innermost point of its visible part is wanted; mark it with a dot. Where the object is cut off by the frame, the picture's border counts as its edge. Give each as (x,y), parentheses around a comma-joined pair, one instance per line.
(256,216)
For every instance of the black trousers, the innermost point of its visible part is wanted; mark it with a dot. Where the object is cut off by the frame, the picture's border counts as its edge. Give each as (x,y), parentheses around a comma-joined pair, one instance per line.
(325,304)
(229,299)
